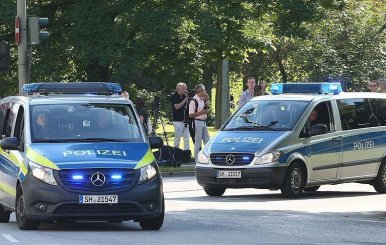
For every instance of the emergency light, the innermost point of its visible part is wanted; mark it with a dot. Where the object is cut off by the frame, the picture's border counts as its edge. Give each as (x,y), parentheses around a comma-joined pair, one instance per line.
(73,88)
(306,88)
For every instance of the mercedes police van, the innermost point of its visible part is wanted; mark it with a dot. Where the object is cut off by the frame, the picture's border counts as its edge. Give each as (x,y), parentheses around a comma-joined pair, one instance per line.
(301,137)
(76,151)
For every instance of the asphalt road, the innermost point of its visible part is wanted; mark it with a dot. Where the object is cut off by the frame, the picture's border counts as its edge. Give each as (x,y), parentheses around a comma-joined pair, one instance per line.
(346,213)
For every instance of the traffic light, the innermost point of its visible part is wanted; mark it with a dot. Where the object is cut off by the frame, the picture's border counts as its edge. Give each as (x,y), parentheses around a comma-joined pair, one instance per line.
(5,57)
(36,35)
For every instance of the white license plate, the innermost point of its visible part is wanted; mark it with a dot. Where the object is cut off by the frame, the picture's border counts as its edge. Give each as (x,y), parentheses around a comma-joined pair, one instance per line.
(222,174)
(86,199)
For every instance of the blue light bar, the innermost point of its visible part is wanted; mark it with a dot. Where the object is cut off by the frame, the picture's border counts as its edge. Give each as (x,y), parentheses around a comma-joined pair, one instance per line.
(73,88)
(77,177)
(246,158)
(306,88)
(116,177)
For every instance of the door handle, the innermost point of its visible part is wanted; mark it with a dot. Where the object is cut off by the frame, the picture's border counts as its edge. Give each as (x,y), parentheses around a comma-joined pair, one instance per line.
(337,139)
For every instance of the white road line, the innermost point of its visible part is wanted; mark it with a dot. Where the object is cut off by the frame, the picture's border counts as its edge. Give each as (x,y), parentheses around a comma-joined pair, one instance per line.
(9,238)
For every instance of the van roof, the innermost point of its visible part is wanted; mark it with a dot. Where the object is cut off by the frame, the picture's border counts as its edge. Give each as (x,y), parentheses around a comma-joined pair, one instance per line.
(68,98)
(315,97)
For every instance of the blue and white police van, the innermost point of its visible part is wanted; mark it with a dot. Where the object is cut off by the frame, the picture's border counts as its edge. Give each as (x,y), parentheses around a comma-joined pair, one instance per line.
(301,137)
(77,151)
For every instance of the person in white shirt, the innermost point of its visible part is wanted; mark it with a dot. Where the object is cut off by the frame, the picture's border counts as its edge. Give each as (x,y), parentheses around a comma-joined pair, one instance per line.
(199,112)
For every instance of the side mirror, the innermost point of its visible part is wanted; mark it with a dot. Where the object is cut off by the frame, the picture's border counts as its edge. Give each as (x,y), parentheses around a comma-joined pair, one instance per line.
(317,129)
(10,143)
(155,142)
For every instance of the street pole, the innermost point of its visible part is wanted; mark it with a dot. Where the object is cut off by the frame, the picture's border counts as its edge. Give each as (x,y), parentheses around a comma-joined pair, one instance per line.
(22,47)
(225,109)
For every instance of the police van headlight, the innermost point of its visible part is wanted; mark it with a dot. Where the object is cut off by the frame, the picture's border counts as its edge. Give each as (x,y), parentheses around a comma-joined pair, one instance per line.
(43,173)
(202,158)
(268,158)
(147,173)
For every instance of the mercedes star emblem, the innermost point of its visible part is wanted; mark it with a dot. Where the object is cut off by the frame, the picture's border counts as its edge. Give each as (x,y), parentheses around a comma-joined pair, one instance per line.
(98,179)
(230,159)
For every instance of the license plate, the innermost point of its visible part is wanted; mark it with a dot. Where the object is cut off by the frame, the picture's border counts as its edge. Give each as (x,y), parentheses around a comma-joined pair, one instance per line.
(86,199)
(222,174)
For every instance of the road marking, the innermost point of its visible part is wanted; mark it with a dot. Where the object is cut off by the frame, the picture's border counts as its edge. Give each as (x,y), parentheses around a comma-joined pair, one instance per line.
(9,238)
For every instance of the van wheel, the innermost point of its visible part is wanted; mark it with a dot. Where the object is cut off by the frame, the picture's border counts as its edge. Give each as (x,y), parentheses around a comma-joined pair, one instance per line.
(294,181)
(4,215)
(312,188)
(156,223)
(380,181)
(214,192)
(22,221)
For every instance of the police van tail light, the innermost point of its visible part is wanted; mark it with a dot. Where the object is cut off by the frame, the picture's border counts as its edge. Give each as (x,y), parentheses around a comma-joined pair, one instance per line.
(43,173)
(268,158)
(147,173)
(202,158)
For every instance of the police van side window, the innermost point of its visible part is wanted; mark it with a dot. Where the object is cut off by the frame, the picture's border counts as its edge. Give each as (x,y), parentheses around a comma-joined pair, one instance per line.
(3,113)
(320,121)
(19,132)
(355,113)
(378,108)
(9,120)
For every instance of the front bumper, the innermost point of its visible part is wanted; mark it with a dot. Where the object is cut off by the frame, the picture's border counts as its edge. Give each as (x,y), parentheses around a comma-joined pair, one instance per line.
(261,177)
(138,202)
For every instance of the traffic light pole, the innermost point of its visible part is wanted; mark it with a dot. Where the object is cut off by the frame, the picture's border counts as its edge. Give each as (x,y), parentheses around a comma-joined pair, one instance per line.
(22,47)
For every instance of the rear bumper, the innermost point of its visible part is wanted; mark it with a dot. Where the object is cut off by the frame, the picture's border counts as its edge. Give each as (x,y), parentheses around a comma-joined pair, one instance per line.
(262,177)
(139,202)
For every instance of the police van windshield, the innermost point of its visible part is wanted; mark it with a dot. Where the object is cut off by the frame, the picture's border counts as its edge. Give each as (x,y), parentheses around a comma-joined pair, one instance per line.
(267,115)
(84,123)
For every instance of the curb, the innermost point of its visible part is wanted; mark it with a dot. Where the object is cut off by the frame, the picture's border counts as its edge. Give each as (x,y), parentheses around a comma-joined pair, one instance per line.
(178,174)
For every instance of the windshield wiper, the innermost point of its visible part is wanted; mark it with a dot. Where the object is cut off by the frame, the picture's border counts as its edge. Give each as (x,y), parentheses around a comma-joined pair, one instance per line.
(252,127)
(49,141)
(78,140)
(98,140)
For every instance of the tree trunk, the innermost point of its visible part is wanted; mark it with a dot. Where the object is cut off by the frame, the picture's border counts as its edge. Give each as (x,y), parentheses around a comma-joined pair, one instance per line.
(218,114)
(282,70)
(97,73)
(208,70)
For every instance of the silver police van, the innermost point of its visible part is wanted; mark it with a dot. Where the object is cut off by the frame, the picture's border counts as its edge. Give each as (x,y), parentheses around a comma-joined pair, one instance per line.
(301,137)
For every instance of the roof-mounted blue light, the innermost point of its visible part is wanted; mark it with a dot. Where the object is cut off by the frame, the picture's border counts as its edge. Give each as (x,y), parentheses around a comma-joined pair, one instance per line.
(73,88)
(306,88)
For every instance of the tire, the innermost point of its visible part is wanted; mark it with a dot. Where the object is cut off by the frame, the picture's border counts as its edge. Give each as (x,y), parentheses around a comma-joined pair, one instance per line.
(156,223)
(214,192)
(380,181)
(22,221)
(4,215)
(294,181)
(312,188)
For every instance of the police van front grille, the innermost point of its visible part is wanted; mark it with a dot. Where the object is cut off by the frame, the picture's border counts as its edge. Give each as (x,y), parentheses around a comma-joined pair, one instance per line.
(97,179)
(231,159)
(75,209)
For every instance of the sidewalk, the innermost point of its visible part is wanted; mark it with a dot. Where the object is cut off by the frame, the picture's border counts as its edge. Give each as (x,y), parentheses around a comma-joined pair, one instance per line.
(182,171)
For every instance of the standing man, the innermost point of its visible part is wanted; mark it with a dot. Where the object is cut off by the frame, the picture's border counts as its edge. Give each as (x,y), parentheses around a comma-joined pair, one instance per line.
(248,94)
(199,112)
(179,105)
(373,86)
(382,84)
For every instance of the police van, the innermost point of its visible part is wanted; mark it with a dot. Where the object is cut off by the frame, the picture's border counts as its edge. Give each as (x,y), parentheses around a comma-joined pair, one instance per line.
(76,151)
(297,139)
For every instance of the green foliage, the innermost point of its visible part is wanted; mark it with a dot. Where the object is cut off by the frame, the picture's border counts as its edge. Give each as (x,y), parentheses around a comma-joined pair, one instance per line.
(151,45)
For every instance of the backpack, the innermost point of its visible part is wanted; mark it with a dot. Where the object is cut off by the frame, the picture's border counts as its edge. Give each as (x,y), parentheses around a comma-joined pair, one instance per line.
(187,118)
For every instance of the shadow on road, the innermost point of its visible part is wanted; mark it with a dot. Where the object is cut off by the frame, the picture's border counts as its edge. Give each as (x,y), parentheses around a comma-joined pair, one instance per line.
(89,226)
(275,196)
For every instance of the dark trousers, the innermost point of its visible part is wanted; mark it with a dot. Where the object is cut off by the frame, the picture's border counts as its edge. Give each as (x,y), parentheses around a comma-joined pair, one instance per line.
(192,130)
